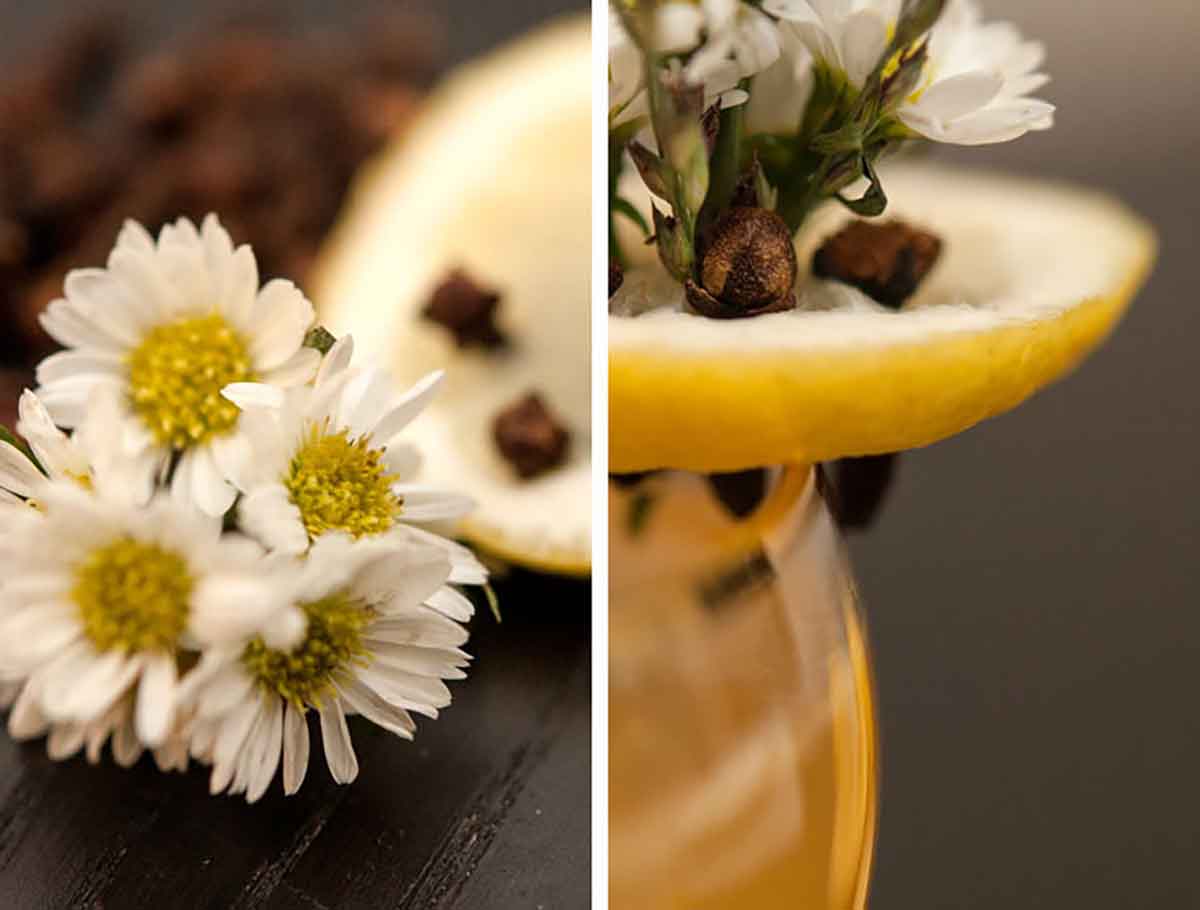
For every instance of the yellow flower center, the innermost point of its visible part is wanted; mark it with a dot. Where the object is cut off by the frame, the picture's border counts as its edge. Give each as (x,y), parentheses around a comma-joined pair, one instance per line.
(332,642)
(341,484)
(176,375)
(133,596)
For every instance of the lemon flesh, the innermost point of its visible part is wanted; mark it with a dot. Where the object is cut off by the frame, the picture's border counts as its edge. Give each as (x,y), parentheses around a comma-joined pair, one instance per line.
(1033,276)
(495,177)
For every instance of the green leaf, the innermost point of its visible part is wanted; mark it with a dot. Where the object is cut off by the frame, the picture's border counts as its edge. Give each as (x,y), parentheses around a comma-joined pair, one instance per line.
(874,201)
(687,155)
(620,136)
(846,138)
(320,338)
(726,160)
(626,208)
(653,170)
(673,247)
(828,94)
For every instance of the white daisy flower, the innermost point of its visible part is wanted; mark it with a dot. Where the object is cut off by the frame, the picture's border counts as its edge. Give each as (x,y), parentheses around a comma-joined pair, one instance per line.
(101,601)
(328,457)
(976,81)
(166,326)
(735,33)
(87,459)
(372,647)
(115,725)
(847,36)
(723,41)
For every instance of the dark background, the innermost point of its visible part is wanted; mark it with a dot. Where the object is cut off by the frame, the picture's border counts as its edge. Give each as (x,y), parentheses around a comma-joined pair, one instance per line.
(1032,586)
(489,808)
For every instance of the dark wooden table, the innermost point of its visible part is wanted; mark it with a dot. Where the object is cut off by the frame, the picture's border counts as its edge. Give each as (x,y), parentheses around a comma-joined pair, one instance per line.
(488,808)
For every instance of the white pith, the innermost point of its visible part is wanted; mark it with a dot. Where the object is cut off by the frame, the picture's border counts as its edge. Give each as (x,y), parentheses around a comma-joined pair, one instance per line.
(496,179)
(1014,251)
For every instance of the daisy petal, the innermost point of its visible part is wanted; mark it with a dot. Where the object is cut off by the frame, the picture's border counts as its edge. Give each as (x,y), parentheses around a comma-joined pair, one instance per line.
(295,749)
(64,741)
(422,504)
(421,661)
(210,491)
(26,719)
(404,575)
(228,607)
(377,711)
(281,317)
(267,514)
(93,691)
(17,472)
(240,285)
(336,361)
(451,603)
(78,363)
(232,455)
(125,746)
(408,408)
(266,762)
(229,742)
(424,696)
(339,752)
(421,627)
(67,400)
(66,325)
(296,370)
(951,98)
(864,39)
(181,480)
(253,395)
(135,238)
(51,445)
(156,699)
(223,693)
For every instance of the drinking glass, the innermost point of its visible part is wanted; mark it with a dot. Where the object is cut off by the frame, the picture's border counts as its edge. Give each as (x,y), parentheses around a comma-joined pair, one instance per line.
(742,750)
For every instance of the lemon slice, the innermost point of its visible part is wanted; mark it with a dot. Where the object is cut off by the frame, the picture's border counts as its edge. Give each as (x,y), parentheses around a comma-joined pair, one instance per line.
(495,177)
(1033,276)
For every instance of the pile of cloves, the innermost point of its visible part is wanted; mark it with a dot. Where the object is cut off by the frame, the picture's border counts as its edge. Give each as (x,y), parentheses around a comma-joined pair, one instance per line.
(262,124)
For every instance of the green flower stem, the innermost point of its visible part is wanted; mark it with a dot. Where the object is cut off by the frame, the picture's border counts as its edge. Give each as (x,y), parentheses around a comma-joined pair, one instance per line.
(666,118)
(725,166)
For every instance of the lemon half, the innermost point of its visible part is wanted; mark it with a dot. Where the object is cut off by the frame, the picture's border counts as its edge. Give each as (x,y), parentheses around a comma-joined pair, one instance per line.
(495,177)
(1033,276)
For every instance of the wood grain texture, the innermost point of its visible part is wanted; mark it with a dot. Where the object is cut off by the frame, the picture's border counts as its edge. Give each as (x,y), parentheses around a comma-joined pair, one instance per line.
(489,807)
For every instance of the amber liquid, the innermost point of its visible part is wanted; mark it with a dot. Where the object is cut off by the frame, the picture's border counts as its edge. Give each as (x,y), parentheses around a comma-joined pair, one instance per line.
(742,739)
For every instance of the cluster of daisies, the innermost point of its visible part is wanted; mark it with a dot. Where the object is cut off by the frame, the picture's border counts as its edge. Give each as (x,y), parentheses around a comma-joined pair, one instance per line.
(810,93)
(209,527)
